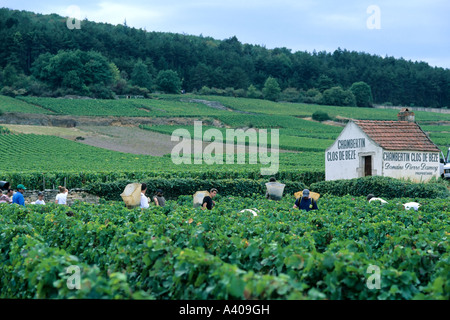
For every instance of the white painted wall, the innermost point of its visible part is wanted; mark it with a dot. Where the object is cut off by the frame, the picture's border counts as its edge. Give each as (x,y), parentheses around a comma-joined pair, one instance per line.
(345,161)
(414,165)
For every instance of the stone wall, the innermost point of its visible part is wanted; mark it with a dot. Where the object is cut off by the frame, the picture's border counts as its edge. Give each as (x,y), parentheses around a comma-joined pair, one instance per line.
(50,196)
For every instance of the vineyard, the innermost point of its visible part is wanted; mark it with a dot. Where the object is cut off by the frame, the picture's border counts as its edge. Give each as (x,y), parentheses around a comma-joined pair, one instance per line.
(178,252)
(306,110)
(35,160)
(120,108)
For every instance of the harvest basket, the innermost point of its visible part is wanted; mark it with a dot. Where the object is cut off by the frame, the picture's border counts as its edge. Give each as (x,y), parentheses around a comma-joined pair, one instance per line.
(132,195)
(198,198)
(313,195)
(275,190)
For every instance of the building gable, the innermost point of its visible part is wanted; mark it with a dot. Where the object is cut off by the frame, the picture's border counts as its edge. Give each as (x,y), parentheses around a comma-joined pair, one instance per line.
(351,132)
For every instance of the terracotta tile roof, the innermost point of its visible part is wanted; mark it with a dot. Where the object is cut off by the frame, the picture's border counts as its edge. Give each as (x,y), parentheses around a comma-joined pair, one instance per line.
(397,135)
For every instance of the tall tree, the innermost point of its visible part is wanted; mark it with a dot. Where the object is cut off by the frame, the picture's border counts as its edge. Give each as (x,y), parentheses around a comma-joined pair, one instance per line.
(168,81)
(140,76)
(271,90)
(362,93)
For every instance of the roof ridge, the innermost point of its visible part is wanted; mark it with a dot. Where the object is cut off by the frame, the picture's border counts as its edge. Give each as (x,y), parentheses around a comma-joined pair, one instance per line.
(397,135)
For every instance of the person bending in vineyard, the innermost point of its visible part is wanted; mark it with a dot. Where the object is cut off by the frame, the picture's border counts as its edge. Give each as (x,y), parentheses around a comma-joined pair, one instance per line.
(305,202)
(61,197)
(6,198)
(208,202)
(144,199)
(159,199)
(371,198)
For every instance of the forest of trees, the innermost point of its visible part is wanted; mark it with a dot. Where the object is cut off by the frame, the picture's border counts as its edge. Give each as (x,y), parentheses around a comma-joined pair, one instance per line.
(40,56)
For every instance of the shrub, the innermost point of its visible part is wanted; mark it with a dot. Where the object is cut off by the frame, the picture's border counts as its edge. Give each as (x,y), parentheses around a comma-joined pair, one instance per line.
(205,91)
(240,93)
(313,96)
(254,93)
(290,95)
(362,93)
(337,96)
(176,187)
(320,116)
(385,187)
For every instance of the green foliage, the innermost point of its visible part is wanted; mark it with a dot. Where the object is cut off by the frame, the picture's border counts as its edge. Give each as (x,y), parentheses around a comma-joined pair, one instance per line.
(384,187)
(35,158)
(75,71)
(8,104)
(254,93)
(4,130)
(203,61)
(271,90)
(320,116)
(362,93)
(168,81)
(9,75)
(324,82)
(178,252)
(336,96)
(290,95)
(313,96)
(176,187)
(141,76)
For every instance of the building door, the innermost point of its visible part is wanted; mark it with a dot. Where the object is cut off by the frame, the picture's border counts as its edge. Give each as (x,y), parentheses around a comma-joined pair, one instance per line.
(368,166)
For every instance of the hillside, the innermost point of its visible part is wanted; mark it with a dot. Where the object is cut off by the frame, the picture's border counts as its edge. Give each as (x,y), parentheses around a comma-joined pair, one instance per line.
(40,56)
(165,113)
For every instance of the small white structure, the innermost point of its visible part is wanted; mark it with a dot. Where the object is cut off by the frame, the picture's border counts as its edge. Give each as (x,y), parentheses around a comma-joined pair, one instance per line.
(398,149)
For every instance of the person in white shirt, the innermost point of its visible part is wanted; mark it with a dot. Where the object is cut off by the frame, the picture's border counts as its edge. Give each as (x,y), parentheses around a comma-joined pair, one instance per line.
(413,205)
(40,198)
(371,198)
(61,197)
(144,199)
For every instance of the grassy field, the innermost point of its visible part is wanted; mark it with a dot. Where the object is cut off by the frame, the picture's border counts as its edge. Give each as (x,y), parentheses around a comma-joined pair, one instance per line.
(306,110)
(296,133)
(8,104)
(31,152)
(119,108)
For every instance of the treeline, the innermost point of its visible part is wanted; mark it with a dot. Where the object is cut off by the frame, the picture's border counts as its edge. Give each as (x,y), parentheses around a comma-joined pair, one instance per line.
(39,55)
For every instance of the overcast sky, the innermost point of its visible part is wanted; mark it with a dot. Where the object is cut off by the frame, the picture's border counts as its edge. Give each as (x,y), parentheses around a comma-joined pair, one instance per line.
(417,30)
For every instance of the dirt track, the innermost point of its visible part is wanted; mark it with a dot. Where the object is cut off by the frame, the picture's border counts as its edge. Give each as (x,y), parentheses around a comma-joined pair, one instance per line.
(69,121)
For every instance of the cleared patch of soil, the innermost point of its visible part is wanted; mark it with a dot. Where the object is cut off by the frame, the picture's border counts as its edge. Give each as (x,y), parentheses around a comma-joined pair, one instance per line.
(138,141)
(47,130)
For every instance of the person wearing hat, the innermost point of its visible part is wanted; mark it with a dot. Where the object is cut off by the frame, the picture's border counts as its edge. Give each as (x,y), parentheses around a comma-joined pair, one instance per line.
(40,199)
(305,202)
(18,196)
(159,199)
